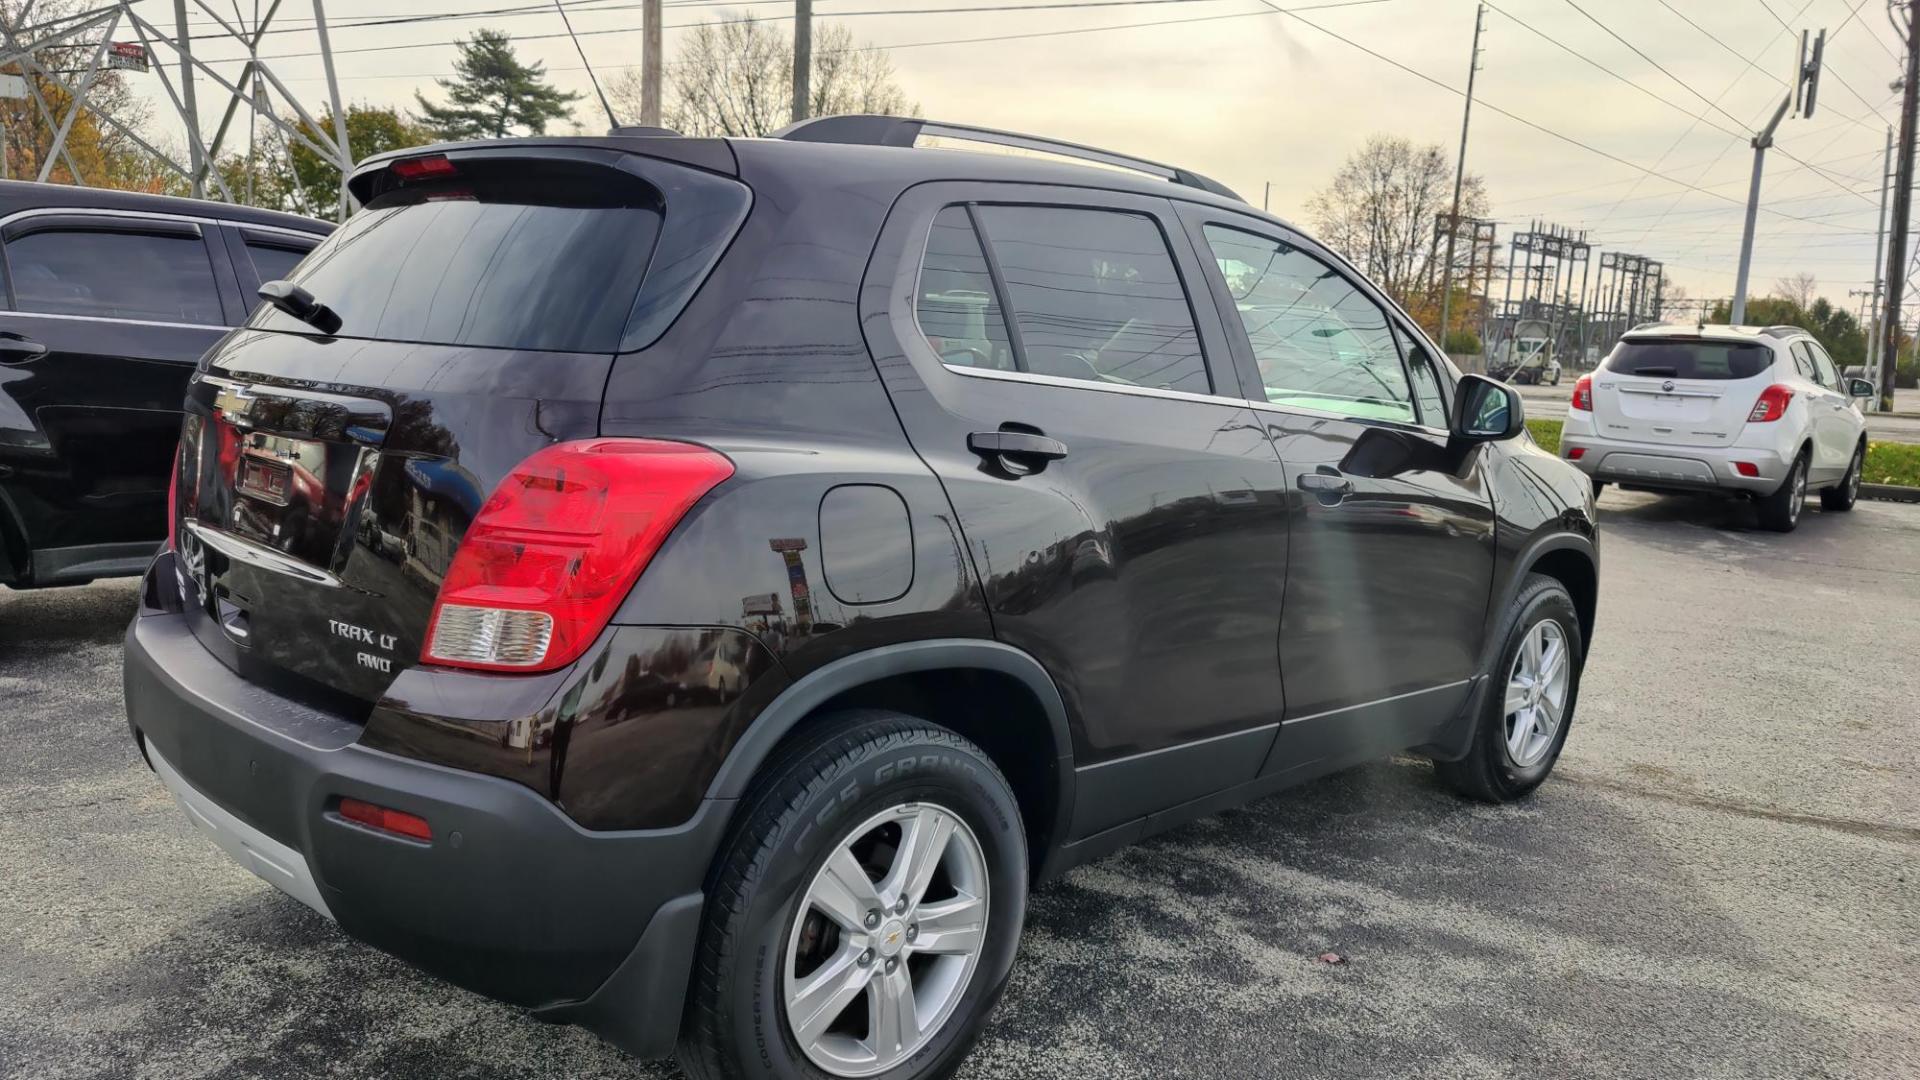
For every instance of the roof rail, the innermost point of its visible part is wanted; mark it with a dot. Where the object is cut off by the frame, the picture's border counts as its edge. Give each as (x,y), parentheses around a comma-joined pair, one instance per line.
(872,130)
(1782,331)
(1645,326)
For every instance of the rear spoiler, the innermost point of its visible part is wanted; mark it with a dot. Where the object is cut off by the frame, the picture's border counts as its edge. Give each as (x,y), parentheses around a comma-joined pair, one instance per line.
(707,155)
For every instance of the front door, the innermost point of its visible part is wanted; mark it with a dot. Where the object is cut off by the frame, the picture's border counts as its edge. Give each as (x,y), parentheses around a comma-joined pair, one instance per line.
(105,318)
(1120,504)
(1392,552)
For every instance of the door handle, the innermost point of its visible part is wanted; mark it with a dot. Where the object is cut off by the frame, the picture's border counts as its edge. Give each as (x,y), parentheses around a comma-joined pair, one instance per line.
(1027,449)
(1330,486)
(15,349)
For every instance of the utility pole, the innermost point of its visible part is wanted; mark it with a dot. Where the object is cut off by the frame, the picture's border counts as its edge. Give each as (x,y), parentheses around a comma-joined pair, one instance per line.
(1266,197)
(1902,208)
(1806,85)
(189,104)
(650,64)
(802,57)
(1459,178)
(1871,317)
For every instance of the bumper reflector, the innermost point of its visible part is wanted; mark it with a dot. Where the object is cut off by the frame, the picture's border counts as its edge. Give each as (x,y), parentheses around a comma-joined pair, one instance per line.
(1576,453)
(379,817)
(1746,468)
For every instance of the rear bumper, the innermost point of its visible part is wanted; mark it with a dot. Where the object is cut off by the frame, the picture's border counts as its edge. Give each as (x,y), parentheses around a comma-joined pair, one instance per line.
(510,898)
(1675,468)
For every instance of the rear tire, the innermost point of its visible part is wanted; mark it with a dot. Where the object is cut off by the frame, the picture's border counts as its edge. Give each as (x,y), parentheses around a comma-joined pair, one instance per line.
(846,797)
(1843,495)
(1780,511)
(1511,754)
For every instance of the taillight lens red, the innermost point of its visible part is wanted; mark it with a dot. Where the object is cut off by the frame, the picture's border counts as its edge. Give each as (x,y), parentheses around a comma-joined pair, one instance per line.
(1575,453)
(1772,404)
(386,819)
(1583,394)
(428,167)
(173,503)
(558,546)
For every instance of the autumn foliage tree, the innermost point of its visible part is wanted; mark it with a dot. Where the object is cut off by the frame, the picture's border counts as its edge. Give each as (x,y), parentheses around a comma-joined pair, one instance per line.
(1381,210)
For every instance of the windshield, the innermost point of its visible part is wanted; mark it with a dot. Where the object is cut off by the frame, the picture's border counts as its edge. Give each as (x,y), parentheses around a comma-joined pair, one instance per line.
(519,254)
(1690,359)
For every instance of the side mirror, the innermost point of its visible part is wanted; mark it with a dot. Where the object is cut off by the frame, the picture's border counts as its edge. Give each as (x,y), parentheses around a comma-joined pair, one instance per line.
(1859,388)
(1486,411)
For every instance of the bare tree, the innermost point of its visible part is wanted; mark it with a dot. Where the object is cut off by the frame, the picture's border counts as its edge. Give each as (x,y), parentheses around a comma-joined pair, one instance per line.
(735,77)
(1800,288)
(1380,211)
(1675,304)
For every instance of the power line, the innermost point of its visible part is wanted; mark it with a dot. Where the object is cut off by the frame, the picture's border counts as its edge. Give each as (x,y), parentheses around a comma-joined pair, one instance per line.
(1542,128)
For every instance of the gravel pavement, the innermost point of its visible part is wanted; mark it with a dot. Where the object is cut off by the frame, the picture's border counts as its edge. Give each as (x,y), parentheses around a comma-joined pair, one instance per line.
(1722,880)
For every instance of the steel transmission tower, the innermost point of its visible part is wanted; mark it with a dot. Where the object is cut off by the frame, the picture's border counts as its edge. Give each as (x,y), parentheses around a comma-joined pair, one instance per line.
(100,33)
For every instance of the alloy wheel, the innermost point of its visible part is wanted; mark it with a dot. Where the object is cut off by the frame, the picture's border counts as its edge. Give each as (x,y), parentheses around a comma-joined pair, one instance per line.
(1799,500)
(1853,475)
(1537,686)
(886,939)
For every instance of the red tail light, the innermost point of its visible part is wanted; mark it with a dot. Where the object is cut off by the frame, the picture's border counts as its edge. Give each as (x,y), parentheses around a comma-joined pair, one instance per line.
(173,503)
(429,167)
(1772,404)
(386,820)
(558,546)
(1583,394)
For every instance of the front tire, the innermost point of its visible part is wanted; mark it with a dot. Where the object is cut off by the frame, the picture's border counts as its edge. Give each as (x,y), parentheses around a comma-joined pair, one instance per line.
(1525,715)
(864,913)
(1843,495)
(1780,511)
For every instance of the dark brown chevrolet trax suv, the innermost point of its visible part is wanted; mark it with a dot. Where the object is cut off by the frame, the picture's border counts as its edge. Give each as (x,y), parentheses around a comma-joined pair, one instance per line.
(695,588)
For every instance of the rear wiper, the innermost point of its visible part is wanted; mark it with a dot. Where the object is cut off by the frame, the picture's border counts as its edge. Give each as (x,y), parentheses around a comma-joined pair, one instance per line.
(1657,369)
(301,304)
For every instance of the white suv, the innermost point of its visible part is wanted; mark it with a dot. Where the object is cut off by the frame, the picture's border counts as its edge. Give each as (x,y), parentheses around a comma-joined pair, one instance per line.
(1742,410)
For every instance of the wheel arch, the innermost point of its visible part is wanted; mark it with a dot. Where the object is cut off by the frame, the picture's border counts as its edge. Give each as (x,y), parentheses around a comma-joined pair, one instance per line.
(994,694)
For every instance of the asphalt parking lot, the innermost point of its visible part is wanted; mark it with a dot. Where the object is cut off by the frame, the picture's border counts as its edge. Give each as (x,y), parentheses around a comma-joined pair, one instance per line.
(1722,880)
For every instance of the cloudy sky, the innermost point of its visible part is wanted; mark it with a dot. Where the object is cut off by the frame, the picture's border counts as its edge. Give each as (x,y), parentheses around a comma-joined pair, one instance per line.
(1626,118)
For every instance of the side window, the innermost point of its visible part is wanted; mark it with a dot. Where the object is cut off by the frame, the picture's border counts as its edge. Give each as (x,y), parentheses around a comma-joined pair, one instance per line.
(1823,372)
(955,304)
(1095,295)
(1319,342)
(275,262)
(117,275)
(1803,362)
(1428,385)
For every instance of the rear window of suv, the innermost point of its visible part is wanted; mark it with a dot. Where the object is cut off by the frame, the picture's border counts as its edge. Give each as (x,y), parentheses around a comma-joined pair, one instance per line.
(1690,359)
(522,255)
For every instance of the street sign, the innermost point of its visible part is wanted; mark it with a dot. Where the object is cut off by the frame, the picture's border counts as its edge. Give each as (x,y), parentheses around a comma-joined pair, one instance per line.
(127,56)
(13,86)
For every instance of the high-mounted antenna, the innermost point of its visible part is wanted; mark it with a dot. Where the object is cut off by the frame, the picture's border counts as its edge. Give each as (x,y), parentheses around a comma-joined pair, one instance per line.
(604,103)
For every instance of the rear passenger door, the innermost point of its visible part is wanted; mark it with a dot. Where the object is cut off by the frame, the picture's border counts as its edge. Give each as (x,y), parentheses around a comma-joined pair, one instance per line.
(1836,426)
(1121,506)
(1392,549)
(105,316)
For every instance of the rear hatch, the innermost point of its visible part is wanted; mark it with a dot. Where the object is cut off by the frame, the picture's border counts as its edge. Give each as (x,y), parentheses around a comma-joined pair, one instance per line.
(327,479)
(1681,391)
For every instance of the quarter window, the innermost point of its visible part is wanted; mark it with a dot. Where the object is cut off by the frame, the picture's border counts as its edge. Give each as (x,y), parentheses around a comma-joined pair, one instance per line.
(1428,392)
(115,275)
(1318,341)
(958,311)
(273,262)
(1094,295)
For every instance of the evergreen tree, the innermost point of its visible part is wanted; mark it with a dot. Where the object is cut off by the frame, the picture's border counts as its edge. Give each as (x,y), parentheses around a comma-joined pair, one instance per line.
(493,95)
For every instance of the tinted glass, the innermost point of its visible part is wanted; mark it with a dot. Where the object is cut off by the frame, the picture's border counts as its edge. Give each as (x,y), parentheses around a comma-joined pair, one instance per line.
(1689,359)
(1095,296)
(115,275)
(957,309)
(274,263)
(509,254)
(1318,341)
(1427,383)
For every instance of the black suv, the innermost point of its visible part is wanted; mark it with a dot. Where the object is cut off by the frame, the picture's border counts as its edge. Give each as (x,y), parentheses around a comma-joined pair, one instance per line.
(695,588)
(109,299)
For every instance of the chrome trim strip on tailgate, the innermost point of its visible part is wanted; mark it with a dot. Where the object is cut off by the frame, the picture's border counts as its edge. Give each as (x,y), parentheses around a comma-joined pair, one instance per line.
(276,863)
